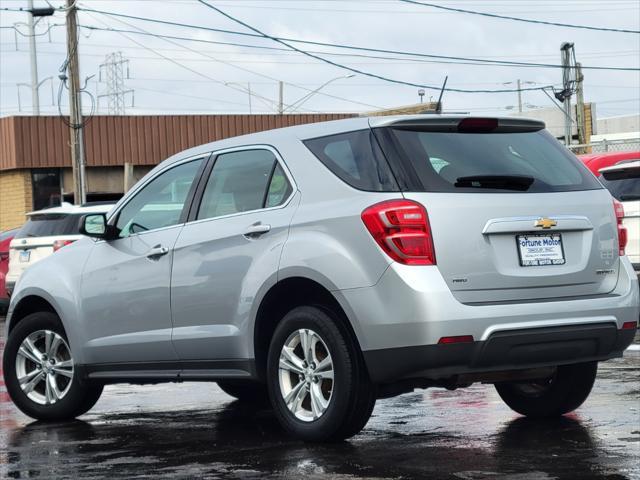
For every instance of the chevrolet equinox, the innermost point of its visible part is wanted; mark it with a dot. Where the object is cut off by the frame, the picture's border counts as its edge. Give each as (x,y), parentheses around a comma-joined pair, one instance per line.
(325,266)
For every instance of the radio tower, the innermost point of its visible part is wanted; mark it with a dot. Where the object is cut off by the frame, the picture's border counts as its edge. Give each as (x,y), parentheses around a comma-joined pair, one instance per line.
(113,70)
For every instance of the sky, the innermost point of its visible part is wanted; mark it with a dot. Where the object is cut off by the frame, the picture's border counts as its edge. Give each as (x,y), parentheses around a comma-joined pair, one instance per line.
(182,76)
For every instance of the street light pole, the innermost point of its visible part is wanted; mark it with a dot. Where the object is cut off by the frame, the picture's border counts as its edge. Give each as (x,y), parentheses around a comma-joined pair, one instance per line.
(35,97)
(298,103)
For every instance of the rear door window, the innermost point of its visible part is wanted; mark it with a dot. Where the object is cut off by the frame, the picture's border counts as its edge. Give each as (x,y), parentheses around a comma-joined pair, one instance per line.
(493,162)
(355,158)
(244,181)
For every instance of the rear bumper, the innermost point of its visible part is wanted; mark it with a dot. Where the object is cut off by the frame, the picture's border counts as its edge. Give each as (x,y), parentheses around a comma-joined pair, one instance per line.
(502,351)
(400,320)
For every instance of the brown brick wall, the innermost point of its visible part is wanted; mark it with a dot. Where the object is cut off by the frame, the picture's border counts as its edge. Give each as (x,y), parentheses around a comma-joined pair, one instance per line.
(15,198)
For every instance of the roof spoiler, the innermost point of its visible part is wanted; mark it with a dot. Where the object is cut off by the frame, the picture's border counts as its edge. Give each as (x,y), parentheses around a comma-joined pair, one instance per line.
(467,124)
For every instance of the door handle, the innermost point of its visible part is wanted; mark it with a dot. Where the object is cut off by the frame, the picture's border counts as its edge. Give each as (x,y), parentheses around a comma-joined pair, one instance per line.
(156,252)
(256,230)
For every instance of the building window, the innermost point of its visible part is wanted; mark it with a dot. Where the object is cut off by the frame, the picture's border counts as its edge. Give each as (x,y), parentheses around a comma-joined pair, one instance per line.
(46,187)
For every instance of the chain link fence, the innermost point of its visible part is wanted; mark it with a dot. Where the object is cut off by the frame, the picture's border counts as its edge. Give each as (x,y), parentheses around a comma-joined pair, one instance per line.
(628,145)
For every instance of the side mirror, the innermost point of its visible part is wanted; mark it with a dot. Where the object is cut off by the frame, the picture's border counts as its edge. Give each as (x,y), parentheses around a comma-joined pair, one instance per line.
(95,225)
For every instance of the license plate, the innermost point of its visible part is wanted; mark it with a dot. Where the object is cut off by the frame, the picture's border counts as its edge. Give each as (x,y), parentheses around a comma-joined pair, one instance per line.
(538,250)
(25,256)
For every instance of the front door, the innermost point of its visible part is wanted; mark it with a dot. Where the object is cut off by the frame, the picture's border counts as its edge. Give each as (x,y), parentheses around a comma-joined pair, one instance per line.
(126,281)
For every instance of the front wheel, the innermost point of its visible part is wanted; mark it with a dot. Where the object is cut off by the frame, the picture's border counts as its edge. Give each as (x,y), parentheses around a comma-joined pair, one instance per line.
(40,373)
(561,393)
(318,384)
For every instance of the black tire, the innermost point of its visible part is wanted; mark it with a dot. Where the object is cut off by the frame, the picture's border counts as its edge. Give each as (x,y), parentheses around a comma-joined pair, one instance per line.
(82,394)
(353,396)
(562,393)
(246,392)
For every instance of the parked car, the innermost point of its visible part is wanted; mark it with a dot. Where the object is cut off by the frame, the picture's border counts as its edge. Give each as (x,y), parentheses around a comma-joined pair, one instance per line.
(596,161)
(324,266)
(45,232)
(623,181)
(5,240)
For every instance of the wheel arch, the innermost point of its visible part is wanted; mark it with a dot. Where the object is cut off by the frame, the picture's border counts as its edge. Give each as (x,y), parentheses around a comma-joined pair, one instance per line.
(282,297)
(32,303)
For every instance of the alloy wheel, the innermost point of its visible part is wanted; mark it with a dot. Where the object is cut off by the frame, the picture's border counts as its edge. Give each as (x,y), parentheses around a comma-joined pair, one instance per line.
(306,375)
(44,367)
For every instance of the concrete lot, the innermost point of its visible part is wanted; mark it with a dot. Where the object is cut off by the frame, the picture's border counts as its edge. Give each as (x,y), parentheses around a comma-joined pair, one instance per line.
(193,430)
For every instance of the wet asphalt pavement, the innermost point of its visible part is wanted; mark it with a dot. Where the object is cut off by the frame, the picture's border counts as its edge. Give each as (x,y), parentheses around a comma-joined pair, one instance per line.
(194,430)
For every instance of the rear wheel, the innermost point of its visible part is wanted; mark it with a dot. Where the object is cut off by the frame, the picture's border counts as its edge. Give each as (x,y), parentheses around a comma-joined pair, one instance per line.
(561,393)
(247,392)
(40,373)
(317,381)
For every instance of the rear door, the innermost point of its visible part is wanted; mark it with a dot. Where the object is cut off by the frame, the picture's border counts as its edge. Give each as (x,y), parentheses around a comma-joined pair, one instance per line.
(514,215)
(228,252)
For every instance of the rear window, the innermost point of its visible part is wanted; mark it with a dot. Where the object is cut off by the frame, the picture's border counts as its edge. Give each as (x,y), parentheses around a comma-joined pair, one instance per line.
(492,162)
(47,225)
(624,189)
(355,158)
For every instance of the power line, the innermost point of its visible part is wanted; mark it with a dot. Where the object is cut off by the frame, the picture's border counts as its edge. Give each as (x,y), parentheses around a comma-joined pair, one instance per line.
(192,70)
(199,52)
(508,63)
(354,70)
(518,19)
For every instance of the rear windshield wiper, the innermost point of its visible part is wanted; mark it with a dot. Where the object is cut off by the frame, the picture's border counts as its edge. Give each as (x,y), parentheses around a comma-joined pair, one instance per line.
(519,183)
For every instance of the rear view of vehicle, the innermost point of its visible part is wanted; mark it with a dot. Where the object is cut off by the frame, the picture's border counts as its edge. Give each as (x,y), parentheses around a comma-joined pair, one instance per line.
(45,232)
(623,181)
(507,255)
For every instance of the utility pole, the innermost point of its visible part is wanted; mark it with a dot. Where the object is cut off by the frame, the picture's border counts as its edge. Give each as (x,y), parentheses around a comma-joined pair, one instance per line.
(568,57)
(280,97)
(75,106)
(580,114)
(35,97)
(519,97)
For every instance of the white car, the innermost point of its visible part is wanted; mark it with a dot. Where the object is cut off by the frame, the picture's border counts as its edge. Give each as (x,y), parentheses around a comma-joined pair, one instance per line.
(45,232)
(623,181)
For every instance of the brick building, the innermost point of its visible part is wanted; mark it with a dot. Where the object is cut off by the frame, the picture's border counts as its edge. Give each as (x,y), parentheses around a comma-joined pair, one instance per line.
(35,160)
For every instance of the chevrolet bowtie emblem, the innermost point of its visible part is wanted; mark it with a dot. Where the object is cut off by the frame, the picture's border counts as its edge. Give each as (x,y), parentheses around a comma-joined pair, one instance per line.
(545,223)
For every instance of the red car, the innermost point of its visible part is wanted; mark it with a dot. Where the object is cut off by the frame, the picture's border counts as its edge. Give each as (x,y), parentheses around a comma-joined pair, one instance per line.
(5,240)
(596,161)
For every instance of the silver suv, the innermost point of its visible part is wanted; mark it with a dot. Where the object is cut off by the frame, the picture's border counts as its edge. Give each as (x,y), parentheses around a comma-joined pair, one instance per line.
(325,266)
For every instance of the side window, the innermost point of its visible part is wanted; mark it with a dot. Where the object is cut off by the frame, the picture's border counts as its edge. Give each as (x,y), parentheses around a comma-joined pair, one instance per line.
(279,188)
(243,181)
(356,159)
(159,204)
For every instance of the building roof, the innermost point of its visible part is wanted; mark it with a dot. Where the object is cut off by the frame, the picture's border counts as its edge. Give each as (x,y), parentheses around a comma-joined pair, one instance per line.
(111,140)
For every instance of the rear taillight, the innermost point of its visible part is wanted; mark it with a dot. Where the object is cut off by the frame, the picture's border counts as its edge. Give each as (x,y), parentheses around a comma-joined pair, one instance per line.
(401,228)
(622,231)
(58,244)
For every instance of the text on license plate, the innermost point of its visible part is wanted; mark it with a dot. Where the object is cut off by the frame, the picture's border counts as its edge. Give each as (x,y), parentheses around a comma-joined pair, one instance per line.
(536,250)
(25,256)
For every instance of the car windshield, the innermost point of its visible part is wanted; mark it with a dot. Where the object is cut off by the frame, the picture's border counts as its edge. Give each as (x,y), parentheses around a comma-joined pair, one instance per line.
(49,224)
